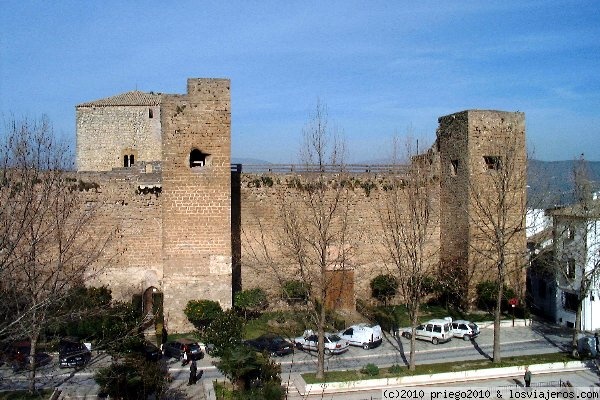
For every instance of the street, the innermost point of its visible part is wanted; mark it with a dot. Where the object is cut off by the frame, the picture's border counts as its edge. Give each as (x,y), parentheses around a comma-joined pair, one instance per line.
(519,340)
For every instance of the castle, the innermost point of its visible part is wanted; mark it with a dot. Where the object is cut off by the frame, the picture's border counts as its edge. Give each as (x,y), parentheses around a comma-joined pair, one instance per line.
(162,171)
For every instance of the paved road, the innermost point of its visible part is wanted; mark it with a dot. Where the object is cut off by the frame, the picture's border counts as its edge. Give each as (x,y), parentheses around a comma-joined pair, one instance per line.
(515,341)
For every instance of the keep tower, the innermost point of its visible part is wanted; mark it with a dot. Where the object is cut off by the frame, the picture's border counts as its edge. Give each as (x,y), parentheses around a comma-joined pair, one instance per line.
(481,150)
(196,178)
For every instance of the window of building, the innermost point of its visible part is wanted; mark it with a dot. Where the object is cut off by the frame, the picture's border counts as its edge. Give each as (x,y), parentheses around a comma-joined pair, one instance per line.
(128,158)
(570,301)
(150,113)
(570,233)
(199,159)
(571,268)
(493,162)
(453,167)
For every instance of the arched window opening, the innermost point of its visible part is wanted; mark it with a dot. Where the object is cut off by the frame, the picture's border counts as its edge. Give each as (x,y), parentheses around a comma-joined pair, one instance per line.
(150,113)
(198,159)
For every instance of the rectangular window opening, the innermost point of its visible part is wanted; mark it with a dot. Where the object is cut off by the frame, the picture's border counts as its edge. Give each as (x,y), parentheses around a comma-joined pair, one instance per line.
(493,162)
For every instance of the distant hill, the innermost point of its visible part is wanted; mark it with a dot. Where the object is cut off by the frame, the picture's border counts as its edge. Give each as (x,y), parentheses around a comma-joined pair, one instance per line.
(550,183)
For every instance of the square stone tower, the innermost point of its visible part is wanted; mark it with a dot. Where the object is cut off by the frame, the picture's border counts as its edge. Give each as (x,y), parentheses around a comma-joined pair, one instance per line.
(482,192)
(196,179)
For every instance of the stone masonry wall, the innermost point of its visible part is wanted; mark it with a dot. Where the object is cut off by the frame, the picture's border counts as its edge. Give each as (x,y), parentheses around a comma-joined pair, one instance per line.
(133,219)
(104,133)
(196,200)
(261,225)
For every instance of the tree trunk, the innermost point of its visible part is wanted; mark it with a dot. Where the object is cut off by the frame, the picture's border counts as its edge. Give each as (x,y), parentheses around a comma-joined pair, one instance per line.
(321,344)
(497,315)
(413,339)
(577,327)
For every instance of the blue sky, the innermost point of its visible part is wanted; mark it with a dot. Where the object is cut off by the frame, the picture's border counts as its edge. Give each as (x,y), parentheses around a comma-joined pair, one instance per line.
(381,67)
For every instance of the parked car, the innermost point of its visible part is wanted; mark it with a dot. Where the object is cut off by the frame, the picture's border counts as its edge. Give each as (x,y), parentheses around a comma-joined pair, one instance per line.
(465,329)
(333,343)
(73,353)
(144,348)
(18,356)
(176,348)
(435,331)
(363,335)
(272,344)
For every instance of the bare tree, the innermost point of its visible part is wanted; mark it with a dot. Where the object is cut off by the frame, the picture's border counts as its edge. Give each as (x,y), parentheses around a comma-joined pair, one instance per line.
(497,214)
(46,238)
(408,224)
(313,243)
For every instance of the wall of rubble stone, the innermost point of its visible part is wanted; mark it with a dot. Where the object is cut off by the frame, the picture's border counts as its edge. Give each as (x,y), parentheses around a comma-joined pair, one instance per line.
(105,134)
(261,199)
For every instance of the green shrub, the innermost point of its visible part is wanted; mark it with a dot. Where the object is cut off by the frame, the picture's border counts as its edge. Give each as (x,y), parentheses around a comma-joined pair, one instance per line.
(202,312)
(224,332)
(295,291)
(132,378)
(487,292)
(251,300)
(370,370)
(395,369)
(384,287)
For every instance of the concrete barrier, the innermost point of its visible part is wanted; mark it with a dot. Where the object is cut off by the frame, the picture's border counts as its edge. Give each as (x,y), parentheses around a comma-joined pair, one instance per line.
(434,379)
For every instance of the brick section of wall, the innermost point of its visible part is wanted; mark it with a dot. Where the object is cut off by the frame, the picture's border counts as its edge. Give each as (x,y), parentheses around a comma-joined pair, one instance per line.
(196,200)
(105,133)
(133,259)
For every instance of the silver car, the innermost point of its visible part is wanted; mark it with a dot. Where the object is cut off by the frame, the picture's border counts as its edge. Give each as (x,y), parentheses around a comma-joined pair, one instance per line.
(465,329)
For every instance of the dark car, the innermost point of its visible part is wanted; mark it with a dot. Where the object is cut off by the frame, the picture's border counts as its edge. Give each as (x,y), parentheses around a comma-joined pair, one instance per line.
(177,347)
(272,344)
(147,349)
(73,353)
(18,356)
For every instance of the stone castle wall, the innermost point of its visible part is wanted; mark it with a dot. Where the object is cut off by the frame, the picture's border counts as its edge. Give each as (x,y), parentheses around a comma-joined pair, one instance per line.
(189,227)
(261,225)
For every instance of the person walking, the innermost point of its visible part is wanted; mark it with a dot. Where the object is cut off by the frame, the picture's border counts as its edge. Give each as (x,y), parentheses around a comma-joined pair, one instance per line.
(527,377)
(184,356)
(193,369)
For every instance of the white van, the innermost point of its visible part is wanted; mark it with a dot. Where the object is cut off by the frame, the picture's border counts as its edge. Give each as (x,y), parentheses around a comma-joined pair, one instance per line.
(363,335)
(434,331)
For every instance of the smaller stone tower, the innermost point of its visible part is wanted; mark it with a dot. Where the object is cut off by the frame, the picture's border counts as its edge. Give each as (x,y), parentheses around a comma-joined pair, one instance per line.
(476,148)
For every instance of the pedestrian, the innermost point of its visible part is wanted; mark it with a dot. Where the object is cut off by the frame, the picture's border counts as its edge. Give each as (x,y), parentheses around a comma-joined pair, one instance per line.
(184,356)
(193,369)
(527,377)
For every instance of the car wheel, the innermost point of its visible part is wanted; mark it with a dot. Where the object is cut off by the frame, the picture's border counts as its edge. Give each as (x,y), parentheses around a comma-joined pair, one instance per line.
(366,346)
(435,340)
(273,354)
(328,352)
(466,337)
(299,346)
(407,335)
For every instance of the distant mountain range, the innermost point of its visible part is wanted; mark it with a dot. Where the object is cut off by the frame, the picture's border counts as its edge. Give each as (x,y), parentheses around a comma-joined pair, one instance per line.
(550,183)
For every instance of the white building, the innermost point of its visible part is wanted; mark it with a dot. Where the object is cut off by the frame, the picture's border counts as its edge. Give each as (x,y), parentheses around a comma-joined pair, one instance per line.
(576,263)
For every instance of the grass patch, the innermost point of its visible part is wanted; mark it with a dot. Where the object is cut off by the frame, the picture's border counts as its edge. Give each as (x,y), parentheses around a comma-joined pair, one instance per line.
(224,390)
(24,395)
(431,311)
(426,369)
(286,324)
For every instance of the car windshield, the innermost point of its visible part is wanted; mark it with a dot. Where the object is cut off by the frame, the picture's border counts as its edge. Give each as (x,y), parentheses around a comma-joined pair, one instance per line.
(193,346)
(334,338)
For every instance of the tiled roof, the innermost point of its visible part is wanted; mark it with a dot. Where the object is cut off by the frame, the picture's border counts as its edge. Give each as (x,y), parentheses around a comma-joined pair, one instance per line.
(133,98)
